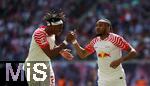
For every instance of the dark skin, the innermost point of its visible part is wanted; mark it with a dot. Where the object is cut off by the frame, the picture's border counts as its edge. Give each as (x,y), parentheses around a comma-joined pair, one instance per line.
(103,30)
(54,29)
(51,53)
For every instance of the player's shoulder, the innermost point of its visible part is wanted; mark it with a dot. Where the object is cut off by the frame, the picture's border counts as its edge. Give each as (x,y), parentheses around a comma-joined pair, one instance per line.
(40,30)
(115,35)
(94,40)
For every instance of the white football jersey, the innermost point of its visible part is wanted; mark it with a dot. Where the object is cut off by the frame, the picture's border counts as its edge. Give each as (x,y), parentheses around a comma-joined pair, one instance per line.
(40,40)
(108,50)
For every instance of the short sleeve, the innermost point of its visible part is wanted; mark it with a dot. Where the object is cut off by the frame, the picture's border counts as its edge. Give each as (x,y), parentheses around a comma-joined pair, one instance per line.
(123,44)
(40,39)
(89,48)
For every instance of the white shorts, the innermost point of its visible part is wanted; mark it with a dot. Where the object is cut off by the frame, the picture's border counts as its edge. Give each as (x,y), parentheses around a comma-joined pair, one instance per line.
(118,82)
(49,81)
(52,76)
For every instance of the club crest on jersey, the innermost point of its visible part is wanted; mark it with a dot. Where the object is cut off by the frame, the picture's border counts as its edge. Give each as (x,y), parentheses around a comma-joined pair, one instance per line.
(103,54)
(43,40)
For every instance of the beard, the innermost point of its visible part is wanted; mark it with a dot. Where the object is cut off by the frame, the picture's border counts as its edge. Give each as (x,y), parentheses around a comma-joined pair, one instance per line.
(100,34)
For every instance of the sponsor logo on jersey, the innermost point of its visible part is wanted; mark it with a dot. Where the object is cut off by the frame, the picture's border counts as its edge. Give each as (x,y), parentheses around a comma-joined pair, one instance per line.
(103,54)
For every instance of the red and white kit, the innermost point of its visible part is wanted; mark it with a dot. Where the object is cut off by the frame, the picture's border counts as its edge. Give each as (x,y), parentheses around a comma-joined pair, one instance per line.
(40,39)
(108,50)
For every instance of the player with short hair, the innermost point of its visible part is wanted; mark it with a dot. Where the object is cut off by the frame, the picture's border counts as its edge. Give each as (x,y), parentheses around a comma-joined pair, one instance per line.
(43,47)
(108,47)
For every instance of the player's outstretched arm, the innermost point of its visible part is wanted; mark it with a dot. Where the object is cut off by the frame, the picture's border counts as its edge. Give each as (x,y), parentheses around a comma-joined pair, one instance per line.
(80,51)
(66,54)
(51,53)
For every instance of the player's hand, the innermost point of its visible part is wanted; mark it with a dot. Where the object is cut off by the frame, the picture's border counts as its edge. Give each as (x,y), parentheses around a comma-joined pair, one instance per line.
(115,64)
(66,54)
(71,36)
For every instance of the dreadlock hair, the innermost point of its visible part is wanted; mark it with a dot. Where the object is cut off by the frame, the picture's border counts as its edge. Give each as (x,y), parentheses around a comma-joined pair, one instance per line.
(54,17)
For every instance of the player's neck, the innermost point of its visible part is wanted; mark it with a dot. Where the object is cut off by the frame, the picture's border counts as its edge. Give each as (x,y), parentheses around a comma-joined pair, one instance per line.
(48,32)
(104,36)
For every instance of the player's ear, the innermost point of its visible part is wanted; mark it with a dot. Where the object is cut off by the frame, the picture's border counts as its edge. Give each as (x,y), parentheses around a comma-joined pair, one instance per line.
(110,28)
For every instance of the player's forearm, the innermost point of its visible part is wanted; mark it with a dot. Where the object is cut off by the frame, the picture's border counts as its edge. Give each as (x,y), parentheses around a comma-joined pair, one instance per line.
(80,51)
(56,51)
(132,54)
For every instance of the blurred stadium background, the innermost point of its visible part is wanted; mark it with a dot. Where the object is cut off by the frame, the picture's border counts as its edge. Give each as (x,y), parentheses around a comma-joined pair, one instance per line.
(130,18)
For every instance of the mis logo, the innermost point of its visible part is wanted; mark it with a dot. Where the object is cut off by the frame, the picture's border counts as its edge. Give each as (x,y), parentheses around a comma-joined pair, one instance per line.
(103,55)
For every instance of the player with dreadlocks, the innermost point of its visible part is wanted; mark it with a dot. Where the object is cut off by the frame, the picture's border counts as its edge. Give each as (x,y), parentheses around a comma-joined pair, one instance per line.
(43,47)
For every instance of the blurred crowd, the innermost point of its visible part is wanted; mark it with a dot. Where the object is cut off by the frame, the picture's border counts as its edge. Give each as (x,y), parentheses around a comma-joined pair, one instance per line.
(85,74)
(75,74)
(19,18)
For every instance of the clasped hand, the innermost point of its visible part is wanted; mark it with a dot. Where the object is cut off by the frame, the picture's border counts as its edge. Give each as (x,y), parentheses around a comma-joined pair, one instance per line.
(71,36)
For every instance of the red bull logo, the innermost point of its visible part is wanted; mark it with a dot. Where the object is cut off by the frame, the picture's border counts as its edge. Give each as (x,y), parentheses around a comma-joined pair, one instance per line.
(103,55)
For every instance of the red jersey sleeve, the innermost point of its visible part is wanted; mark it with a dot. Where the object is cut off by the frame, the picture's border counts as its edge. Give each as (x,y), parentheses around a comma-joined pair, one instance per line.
(122,43)
(40,39)
(89,48)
